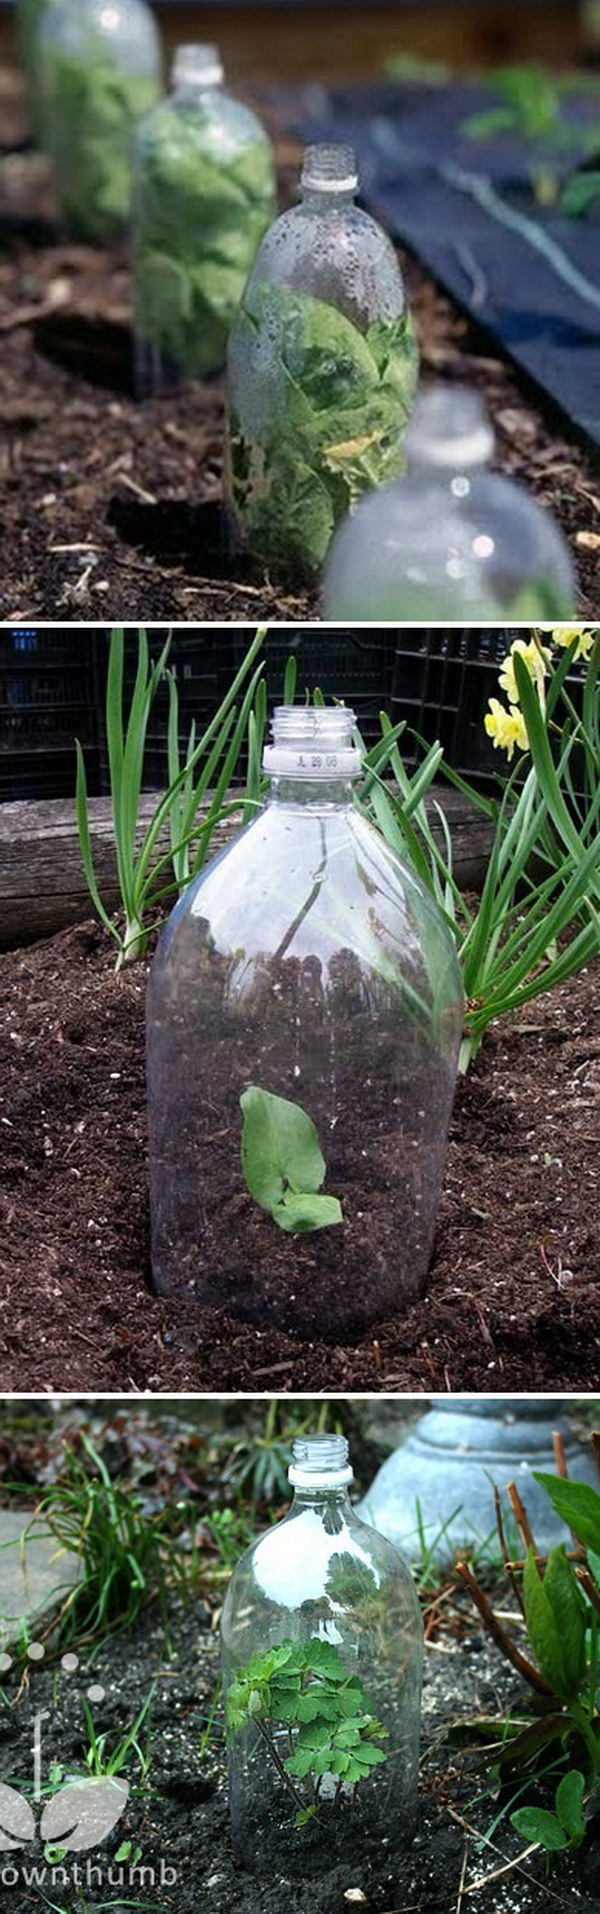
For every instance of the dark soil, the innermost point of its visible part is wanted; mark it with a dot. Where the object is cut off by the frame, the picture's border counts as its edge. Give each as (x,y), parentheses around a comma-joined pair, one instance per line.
(511,1300)
(109,507)
(181,1819)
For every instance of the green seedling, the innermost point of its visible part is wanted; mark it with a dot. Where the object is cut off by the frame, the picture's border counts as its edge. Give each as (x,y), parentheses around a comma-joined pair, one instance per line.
(332,429)
(563,1829)
(535,106)
(306,1690)
(283,1164)
(581,192)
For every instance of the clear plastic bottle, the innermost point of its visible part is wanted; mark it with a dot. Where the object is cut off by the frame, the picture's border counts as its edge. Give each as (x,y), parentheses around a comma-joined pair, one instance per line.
(451,541)
(322,370)
(342,1599)
(309,963)
(100,73)
(205,194)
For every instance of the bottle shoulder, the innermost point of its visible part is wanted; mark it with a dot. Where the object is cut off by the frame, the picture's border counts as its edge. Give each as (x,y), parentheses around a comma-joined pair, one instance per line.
(309,1560)
(338,255)
(214,124)
(315,882)
(126,30)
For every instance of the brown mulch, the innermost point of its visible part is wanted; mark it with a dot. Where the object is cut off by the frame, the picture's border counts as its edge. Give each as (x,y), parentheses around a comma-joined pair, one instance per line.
(511,1300)
(112,508)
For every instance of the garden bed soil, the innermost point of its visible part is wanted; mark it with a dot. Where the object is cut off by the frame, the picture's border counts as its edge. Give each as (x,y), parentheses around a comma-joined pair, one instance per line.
(113,509)
(181,1820)
(511,1300)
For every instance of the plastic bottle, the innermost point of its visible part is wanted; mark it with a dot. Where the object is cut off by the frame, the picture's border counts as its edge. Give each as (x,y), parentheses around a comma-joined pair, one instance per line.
(451,541)
(100,73)
(322,369)
(309,963)
(341,1599)
(205,193)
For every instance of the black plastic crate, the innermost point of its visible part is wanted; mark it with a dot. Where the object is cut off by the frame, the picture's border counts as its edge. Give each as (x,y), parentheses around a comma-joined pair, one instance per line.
(48,697)
(351,663)
(443,680)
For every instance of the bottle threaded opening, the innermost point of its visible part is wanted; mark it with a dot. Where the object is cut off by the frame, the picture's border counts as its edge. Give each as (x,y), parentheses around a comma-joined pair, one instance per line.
(320,1462)
(199,65)
(313,742)
(329,169)
(449,428)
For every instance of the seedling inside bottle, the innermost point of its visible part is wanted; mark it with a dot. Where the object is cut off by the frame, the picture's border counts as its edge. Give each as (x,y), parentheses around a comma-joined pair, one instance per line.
(315,1722)
(283,1164)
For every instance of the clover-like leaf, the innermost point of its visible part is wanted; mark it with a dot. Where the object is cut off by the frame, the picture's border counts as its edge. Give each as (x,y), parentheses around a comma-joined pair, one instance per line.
(81,1815)
(17,1820)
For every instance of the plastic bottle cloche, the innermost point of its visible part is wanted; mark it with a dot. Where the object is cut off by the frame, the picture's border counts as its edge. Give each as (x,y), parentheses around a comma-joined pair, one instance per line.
(100,72)
(205,193)
(322,1653)
(452,540)
(322,369)
(304,1019)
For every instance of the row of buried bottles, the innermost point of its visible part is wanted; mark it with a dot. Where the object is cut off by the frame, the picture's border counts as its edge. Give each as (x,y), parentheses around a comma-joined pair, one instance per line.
(311,312)
(304,1021)
(322,1650)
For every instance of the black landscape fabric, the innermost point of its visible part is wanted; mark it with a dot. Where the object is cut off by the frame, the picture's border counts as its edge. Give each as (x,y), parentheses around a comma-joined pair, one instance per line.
(415,165)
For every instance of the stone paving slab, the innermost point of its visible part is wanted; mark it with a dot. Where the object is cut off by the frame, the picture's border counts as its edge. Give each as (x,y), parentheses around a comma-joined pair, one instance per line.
(29,1580)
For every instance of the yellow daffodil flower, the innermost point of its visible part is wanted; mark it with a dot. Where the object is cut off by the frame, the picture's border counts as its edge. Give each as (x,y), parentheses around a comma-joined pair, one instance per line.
(505,728)
(536,657)
(565,634)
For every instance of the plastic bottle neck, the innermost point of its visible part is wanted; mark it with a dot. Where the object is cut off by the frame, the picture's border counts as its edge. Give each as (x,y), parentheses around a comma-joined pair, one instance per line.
(196,70)
(309,794)
(320,199)
(320,1472)
(322,1501)
(449,439)
(329,179)
(312,759)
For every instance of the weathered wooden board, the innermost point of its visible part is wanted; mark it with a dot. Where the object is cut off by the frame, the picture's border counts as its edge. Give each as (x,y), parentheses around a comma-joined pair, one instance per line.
(42,883)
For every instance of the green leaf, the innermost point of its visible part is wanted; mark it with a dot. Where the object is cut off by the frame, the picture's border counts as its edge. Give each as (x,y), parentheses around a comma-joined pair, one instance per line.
(542,1628)
(577,1503)
(283,1164)
(299,1213)
(329,403)
(304,1815)
(569,1803)
(564,1595)
(280,1147)
(324,1659)
(537,1824)
(581,194)
(317,1703)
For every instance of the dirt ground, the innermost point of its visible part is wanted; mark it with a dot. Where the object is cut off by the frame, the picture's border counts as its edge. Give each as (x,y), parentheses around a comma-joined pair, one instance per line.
(181,1818)
(511,1299)
(113,508)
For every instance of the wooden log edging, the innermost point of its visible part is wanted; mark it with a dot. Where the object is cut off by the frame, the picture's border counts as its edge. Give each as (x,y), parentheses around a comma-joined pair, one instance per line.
(42,882)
